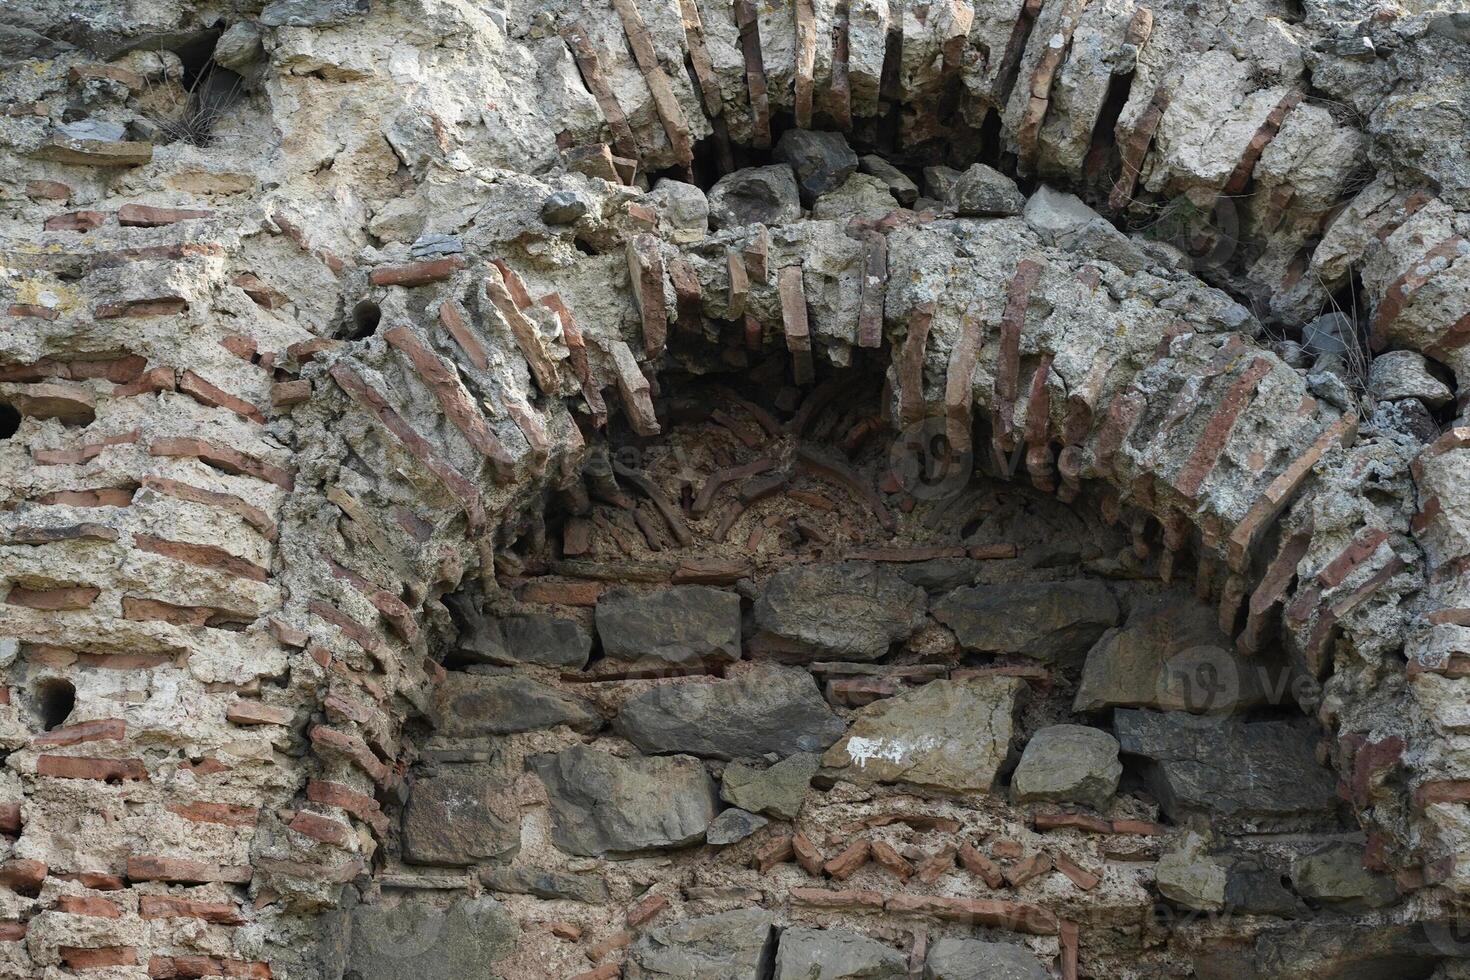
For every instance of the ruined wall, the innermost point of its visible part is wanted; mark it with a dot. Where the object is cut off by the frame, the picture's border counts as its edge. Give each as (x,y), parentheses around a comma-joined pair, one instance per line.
(675,489)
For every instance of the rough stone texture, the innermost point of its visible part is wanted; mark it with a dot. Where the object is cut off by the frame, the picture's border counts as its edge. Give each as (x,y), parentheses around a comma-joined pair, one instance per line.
(1170,655)
(1191,879)
(946,735)
(1234,772)
(777,791)
(458,819)
(822,161)
(1048,621)
(971,959)
(736,945)
(415,939)
(603,804)
(758,195)
(471,705)
(851,610)
(836,954)
(1068,764)
(765,708)
(684,625)
(984,192)
(732,825)
(1335,876)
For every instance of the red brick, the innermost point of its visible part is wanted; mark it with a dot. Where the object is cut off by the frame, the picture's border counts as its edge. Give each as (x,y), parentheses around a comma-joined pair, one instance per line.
(935,866)
(978,864)
(53,600)
(12,932)
(223,458)
(72,457)
(645,910)
(563,593)
(416,273)
(93,905)
(543,366)
(1071,821)
(608,971)
(249,513)
(193,967)
(32,310)
(360,805)
(83,767)
(98,880)
(144,216)
(321,828)
(995,913)
(890,860)
(202,555)
(153,868)
(452,316)
(1141,828)
(79,958)
(1079,876)
(76,221)
(618,940)
(157,306)
(151,610)
(645,268)
(853,857)
(1211,441)
(10,819)
(101,497)
(83,731)
(228,814)
(170,907)
(257,713)
(839,899)
(352,748)
(66,532)
(205,393)
(776,851)
(47,190)
(22,875)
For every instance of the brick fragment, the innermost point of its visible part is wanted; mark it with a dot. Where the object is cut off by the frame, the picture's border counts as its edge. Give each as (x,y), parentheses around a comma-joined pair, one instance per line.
(980,865)
(883,855)
(89,958)
(12,932)
(807,854)
(156,306)
(633,388)
(205,393)
(417,273)
(618,940)
(68,403)
(351,748)
(172,907)
(527,337)
(201,555)
(359,805)
(155,868)
(22,875)
(223,458)
(995,913)
(321,828)
(1211,441)
(47,190)
(565,930)
(645,910)
(590,65)
(608,971)
(256,713)
(853,857)
(747,20)
(83,767)
(935,866)
(795,323)
(90,905)
(227,814)
(75,221)
(103,729)
(1071,821)
(249,513)
(850,899)
(144,216)
(776,851)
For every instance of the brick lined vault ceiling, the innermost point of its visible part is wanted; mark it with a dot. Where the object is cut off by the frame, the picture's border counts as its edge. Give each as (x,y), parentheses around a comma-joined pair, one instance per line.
(689,489)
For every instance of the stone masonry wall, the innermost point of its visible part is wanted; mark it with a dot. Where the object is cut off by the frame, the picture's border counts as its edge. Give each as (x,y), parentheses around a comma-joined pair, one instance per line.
(677,489)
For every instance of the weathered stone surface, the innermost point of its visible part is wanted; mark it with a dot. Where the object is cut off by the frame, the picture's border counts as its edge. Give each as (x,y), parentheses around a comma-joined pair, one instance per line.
(604,804)
(836,954)
(1189,878)
(471,705)
(563,208)
(1046,620)
(416,940)
(946,735)
(1068,764)
(1238,773)
(849,610)
(546,883)
(683,625)
(312,13)
(683,210)
(777,791)
(733,824)
(549,641)
(737,945)
(898,183)
(822,161)
(1334,875)
(1171,655)
(1254,888)
(972,959)
(756,195)
(985,192)
(1344,951)
(766,708)
(459,819)
(1399,374)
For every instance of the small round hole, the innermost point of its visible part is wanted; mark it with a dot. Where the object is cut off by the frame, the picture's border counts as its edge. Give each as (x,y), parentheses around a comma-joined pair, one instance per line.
(365,317)
(55,698)
(9,421)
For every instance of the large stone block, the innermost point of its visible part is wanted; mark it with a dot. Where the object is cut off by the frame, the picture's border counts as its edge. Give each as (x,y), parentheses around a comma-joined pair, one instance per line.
(735,945)
(836,954)
(1259,775)
(418,940)
(766,708)
(604,804)
(681,626)
(777,791)
(1068,764)
(755,195)
(1171,655)
(470,705)
(946,735)
(973,959)
(459,819)
(1049,621)
(849,610)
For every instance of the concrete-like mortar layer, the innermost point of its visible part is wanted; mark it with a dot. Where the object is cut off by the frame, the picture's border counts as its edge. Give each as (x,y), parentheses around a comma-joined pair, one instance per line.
(303,360)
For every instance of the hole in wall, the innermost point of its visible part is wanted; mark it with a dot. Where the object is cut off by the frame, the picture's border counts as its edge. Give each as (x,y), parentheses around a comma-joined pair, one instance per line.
(9,421)
(366,316)
(55,699)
